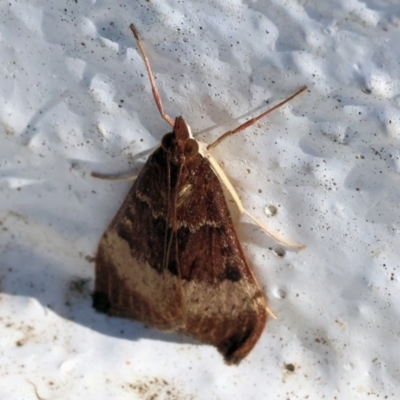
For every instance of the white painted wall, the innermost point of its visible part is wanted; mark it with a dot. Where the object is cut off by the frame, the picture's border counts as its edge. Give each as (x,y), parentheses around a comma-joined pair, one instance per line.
(74,98)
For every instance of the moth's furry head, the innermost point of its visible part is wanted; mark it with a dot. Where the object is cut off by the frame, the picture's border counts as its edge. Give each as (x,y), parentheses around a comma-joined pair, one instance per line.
(179,144)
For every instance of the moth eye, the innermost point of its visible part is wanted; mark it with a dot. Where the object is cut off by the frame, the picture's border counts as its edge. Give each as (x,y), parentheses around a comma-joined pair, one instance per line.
(166,141)
(191,148)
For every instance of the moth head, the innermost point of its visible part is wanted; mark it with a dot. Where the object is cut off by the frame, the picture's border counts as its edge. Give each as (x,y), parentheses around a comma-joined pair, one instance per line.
(179,143)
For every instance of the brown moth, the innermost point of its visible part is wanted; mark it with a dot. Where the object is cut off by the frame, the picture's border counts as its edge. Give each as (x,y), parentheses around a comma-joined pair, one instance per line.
(171,257)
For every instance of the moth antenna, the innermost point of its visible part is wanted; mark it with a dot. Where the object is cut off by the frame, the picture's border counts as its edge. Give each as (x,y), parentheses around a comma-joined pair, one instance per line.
(224,179)
(252,121)
(154,89)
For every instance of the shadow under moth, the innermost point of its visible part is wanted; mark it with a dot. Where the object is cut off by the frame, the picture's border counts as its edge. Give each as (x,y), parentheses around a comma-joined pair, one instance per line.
(171,257)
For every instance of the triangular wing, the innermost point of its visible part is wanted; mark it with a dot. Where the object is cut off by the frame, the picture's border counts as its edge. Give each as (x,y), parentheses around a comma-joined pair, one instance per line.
(131,281)
(224,304)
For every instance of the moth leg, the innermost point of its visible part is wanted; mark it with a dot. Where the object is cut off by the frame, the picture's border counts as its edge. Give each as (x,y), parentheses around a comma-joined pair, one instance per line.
(224,179)
(115,177)
(36,391)
(154,89)
(121,176)
(254,120)
(271,313)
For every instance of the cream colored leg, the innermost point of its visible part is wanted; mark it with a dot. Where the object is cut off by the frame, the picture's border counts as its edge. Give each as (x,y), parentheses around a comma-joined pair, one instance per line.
(115,177)
(224,179)
(124,176)
(271,313)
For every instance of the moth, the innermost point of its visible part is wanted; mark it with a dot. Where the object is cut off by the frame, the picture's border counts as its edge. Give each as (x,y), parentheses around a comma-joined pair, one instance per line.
(171,257)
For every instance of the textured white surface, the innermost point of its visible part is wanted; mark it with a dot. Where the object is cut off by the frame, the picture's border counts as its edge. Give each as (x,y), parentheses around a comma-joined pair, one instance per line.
(74,98)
